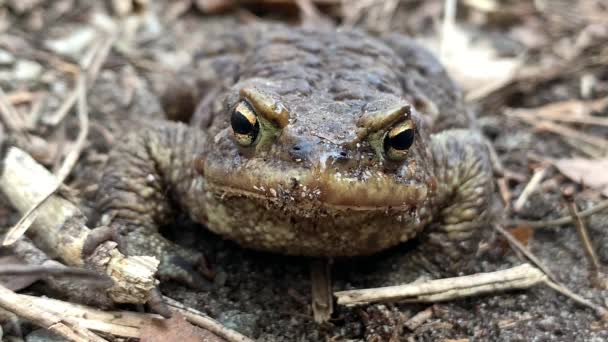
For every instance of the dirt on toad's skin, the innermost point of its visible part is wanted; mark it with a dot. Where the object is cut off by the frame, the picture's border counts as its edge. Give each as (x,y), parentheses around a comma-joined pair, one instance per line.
(266,296)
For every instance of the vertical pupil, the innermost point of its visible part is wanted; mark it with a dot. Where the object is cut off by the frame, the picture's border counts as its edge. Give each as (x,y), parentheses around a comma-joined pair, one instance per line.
(240,124)
(401,141)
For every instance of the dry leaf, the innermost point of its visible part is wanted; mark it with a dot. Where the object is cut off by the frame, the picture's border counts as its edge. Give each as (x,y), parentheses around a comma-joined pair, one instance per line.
(473,62)
(523,234)
(176,329)
(590,172)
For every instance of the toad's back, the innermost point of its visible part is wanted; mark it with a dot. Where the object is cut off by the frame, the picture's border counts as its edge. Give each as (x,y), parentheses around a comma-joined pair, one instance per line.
(339,73)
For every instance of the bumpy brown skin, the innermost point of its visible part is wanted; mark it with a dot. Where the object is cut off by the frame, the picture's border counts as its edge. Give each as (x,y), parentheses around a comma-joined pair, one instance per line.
(316,185)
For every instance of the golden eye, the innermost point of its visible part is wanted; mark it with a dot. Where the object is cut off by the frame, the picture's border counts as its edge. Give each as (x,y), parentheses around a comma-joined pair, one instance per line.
(398,140)
(245,124)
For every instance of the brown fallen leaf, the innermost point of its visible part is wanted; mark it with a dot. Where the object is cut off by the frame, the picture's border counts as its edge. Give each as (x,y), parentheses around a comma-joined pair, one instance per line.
(522,233)
(176,329)
(590,172)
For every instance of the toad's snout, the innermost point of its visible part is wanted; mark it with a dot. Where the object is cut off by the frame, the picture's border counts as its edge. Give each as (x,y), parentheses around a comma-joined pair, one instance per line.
(316,153)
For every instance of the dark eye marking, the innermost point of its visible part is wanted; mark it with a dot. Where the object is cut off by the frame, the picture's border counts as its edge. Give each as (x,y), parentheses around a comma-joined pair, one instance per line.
(398,140)
(245,124)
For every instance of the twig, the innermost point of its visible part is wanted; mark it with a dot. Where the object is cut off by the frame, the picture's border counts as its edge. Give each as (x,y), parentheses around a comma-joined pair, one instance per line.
(70,160)
(125,323)
(419,318)
(322,301)
(9,114)
(600,311)
(552,280)
(518,277)
(26,270)
(27,309)
(529,188)
(525,251)
(568,195)
(205,322)
(60,230)
(595,141)
(92,62)
(603,205)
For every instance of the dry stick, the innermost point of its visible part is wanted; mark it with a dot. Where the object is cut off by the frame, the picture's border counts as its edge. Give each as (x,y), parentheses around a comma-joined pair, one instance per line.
(553,282)
(92,62)
(518,277)
(322,301)
(585,120)
(198,318)
(55,271)
(59,229)
(525,251)
(603,205)
(70,160)
(27,309)
(568,195)
(597,142)
(127,323)
(9,114)
(600,311)
(529,188)
(419,318)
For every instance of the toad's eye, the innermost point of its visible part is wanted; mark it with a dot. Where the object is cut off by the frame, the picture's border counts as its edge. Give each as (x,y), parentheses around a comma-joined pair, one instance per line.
(398,140)
(245,124)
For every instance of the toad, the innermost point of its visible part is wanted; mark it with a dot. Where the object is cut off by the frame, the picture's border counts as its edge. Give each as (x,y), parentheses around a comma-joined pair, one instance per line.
(321,143)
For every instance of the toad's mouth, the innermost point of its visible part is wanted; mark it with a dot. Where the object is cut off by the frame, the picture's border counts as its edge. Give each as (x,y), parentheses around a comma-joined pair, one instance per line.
(315,187)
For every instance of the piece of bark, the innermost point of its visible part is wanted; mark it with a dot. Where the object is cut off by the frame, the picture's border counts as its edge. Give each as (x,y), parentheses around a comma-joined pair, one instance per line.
(59,229)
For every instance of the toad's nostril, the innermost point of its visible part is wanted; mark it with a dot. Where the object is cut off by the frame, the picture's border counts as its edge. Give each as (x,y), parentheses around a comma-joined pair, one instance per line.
(299,151)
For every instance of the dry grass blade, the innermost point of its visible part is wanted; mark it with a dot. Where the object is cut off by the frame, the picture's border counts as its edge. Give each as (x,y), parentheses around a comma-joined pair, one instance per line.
(29,217)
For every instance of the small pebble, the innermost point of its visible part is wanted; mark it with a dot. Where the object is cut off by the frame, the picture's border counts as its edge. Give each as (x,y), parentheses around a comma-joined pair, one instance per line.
(6,58)
(27,70)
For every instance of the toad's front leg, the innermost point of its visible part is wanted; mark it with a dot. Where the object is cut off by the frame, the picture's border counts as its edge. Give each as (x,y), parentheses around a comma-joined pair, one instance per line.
(149,174)
(465,196)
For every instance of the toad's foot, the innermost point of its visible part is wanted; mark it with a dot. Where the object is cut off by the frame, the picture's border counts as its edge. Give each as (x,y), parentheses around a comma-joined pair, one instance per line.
(177,263)
(149,175)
